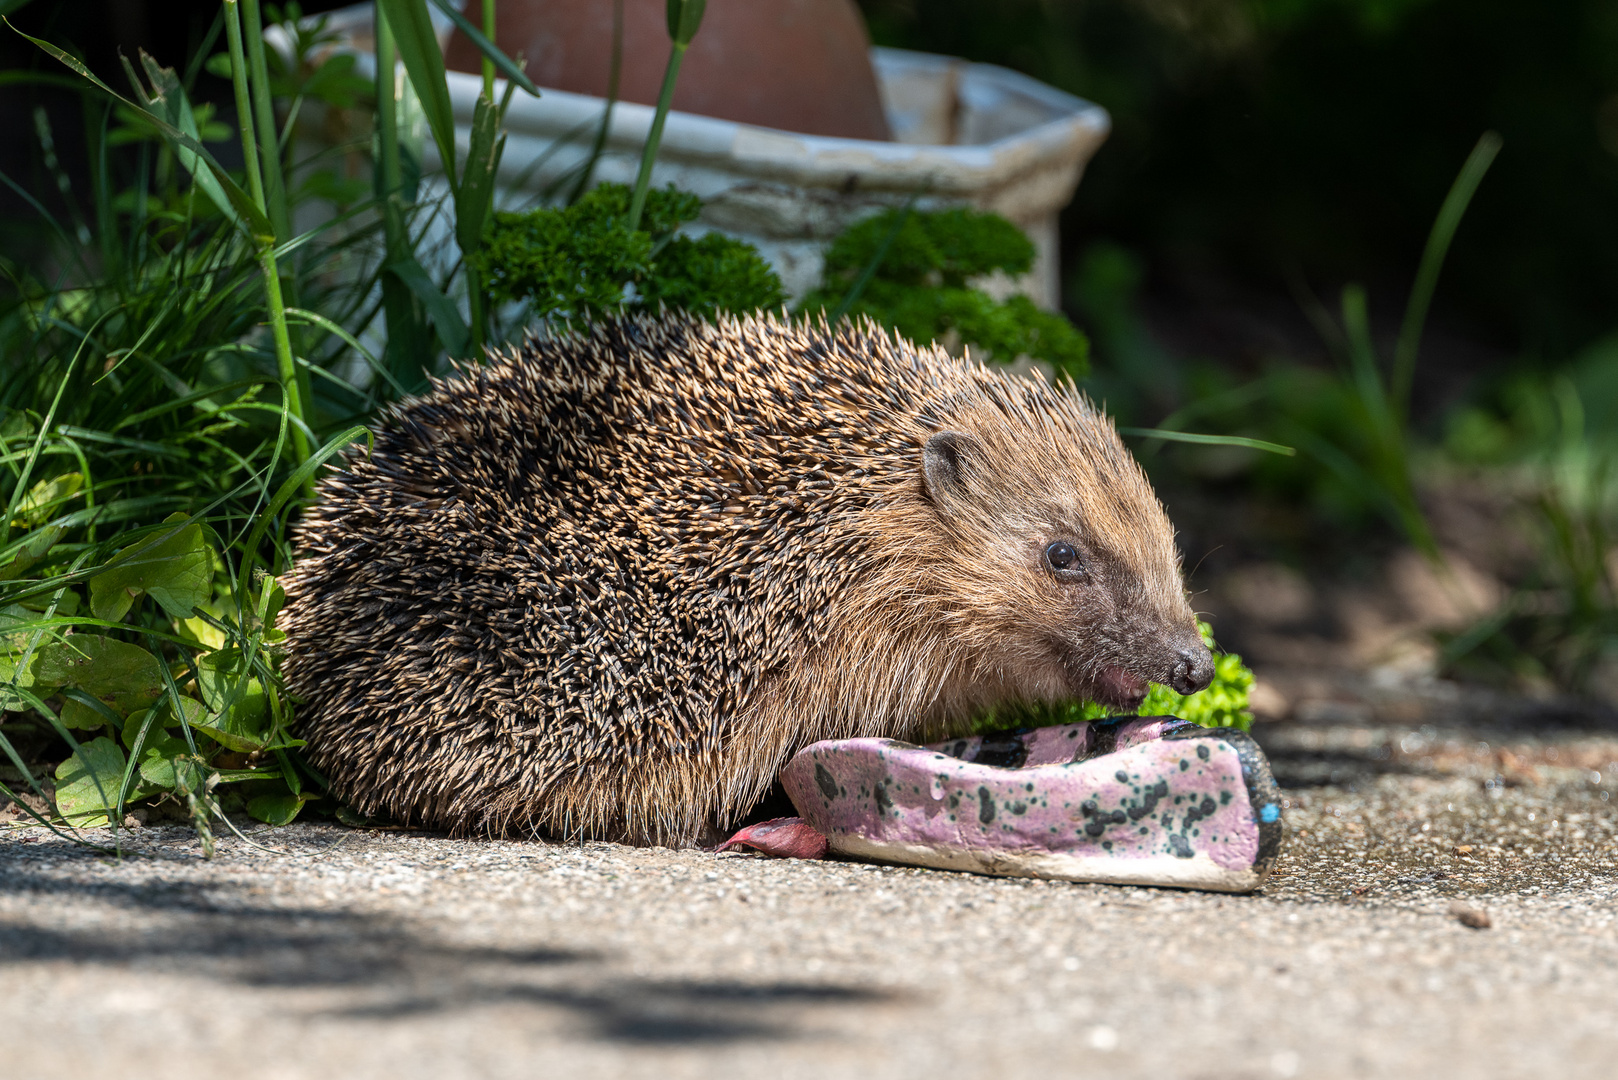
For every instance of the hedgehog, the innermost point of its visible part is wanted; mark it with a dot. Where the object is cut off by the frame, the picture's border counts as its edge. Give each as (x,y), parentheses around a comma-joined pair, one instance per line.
(606,585)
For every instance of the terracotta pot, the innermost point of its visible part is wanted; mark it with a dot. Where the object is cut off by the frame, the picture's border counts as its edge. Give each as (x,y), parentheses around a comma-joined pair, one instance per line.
(798,65)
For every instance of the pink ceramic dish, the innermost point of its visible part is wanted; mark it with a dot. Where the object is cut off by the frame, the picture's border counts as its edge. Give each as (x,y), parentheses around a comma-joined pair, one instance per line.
(1140,801)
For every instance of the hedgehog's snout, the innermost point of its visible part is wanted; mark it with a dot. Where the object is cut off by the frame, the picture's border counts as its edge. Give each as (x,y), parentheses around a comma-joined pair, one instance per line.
(1193,669)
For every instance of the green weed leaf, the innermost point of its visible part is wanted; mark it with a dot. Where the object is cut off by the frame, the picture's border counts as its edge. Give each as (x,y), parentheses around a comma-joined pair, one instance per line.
(275,809)
(87,783)
(125,677)
(16,626)
(35,548)
(175,570)
(45,499)
(158,740)
(232,732)
(79,716)
(200,631)
(241,728)
(238,707)
(176,772)
(13,648)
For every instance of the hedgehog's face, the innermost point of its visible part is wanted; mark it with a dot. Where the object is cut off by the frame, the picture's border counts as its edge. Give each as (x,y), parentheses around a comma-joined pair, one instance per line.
(1095,619)
(1068,573)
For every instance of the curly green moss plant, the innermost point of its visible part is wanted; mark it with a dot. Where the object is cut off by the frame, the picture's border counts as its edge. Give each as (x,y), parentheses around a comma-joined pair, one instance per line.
(584,261)
(1223,704)
(910,271)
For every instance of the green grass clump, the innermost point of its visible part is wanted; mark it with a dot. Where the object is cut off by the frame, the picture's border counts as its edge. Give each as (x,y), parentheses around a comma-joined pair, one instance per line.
(151,461)
(911,271)
(1558,437)
(1223,704)
(140,490)
(584,261)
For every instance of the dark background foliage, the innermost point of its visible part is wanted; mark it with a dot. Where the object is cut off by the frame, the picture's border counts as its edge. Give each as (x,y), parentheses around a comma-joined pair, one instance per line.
(1252,138)
(1256,136)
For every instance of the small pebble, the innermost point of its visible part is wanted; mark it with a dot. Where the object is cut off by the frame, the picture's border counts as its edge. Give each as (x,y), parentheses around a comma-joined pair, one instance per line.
(1469,916)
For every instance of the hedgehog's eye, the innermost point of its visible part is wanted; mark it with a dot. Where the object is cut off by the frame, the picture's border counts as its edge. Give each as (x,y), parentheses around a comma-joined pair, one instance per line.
(1060,557)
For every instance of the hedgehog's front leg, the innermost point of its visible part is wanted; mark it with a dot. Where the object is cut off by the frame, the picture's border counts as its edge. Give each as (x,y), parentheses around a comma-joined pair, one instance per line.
(1142,801)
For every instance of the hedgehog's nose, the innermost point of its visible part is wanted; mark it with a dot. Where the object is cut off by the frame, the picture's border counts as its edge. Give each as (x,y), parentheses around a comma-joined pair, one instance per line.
(1193,670)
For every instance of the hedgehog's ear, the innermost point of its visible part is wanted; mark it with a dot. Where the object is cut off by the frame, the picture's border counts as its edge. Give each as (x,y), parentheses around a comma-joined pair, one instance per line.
(944,465)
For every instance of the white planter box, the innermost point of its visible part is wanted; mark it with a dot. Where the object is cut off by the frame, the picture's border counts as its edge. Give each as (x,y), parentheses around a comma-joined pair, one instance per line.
(966,133)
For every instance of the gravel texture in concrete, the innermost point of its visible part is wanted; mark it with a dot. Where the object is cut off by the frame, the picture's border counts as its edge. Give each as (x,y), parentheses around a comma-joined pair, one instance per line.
(1444,908)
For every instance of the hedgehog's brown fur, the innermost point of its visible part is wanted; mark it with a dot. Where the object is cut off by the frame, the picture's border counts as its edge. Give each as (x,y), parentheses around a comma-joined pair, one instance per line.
(606,587)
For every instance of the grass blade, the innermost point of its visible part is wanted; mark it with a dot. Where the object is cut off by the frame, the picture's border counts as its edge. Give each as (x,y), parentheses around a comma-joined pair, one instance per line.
(275,194)
(424,63)
(868,271)
(316,319)
(289,487)
(237,199)
(1209,440)
(446,318)
(504,63)
(1432,261)
(684,17)
(474,199)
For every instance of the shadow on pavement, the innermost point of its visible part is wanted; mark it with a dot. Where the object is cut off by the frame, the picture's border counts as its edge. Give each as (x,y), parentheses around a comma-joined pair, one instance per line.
(663,1012)
(1298,768)
(388,969)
